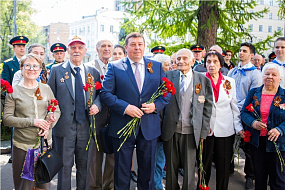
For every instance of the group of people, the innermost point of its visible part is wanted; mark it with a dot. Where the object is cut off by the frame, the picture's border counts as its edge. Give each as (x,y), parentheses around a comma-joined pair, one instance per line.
(208,109)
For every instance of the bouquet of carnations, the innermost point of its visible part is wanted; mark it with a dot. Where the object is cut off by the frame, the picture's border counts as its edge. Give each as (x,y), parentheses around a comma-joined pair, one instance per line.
(89,87)
(6,87)
(165,87)
(202,185)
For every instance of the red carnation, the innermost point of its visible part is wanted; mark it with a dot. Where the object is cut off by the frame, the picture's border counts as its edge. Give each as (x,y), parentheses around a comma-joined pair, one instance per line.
(49,108)
(54,102)
(247,135)
(98,85)
(165,79)
(6,87)
(9,89)
(250,108)
(172,91)
(203,187)
(169,86)
(102,77)
(164,93)
(87,87)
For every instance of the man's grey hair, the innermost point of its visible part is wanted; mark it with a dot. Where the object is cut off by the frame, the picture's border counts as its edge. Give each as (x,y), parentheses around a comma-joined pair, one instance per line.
(220,50)
(161,58)
(35,45)
(188,50)
(99,43)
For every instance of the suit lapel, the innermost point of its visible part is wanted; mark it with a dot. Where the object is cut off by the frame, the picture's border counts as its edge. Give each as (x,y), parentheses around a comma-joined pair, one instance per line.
(128,68)
(16,63)
(195,97)
(176,83)
(280,94)
(97,66)
(66,71)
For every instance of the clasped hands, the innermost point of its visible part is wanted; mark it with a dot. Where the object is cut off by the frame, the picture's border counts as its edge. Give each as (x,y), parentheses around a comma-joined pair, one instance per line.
(134,111)
(44,125)
(273,134)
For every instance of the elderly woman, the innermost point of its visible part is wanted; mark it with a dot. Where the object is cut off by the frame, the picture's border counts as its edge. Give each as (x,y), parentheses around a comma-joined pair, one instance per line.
(119,52)
(26,110)
(224,124)
(267,124)
(164,60)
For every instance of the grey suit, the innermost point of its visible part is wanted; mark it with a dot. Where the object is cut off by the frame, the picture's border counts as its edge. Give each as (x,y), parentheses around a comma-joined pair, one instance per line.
(96,180)
(69,137)
(180,149)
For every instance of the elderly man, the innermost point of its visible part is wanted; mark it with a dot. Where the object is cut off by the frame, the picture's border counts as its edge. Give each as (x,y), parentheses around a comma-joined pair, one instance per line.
(71,133)
(127,85)
(185,123)
(257,60)
(247,77)
(97,178)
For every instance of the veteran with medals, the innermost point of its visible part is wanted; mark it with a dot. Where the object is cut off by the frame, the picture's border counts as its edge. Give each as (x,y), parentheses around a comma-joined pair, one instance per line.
(185,123)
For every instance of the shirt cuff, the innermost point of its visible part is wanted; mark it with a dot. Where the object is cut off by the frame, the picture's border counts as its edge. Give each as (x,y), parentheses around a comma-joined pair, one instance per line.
(280,131)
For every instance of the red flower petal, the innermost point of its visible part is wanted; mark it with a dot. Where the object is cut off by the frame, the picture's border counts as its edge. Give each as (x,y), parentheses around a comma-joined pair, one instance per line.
(98,85)
(102,77)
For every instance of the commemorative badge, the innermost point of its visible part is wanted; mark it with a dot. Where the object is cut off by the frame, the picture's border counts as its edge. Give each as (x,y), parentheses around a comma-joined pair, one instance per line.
(62,80)
(66,76)
(149,67)
(197,88)
(277,101)
(38,94)
(256,102)
(227,87)
(201,99)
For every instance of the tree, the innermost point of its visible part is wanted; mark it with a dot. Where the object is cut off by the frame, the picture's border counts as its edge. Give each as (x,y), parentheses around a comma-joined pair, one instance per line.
(208,22)
(281,11)
(25,26)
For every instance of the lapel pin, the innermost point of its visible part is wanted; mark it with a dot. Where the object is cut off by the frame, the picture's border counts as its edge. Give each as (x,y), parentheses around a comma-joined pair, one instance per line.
(277,101)
(149,67)
(62,80)
(197,88)
(201,99)
(12,69)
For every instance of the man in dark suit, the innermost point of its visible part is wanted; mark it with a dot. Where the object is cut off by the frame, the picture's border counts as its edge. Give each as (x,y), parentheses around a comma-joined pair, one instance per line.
(71,133)
(185,122)
(128,84)
(99,179)
(12,65)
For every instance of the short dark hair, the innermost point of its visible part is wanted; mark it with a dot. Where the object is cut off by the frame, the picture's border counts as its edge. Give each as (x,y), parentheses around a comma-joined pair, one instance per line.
(133,35)
(122,47)
(220,57)
(230,52)
(279,39)
(35,45)
(251,47)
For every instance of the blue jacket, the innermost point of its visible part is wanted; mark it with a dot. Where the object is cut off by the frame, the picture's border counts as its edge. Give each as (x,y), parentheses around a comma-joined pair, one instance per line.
(120,89)
(276,119)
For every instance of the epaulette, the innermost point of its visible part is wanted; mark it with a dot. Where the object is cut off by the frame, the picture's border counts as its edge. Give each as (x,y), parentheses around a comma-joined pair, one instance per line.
(8,60)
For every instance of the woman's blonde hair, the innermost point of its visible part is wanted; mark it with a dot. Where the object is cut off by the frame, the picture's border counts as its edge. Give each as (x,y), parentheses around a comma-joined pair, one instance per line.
(31,56)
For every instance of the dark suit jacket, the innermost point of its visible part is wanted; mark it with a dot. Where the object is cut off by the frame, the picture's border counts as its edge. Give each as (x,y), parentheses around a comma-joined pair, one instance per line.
(201,111)
(63,92)
(10,67)
(120,89)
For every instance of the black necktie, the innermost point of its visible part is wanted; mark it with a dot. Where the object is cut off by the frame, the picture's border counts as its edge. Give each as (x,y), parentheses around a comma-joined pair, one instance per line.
(79,98)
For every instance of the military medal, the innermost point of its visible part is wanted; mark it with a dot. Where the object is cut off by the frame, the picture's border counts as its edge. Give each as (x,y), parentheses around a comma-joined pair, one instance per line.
(201,99)
(227,87)
(66,76)
(38,94)
(256,103)
(149,67)
(277,101)
(197,88)
(62,80)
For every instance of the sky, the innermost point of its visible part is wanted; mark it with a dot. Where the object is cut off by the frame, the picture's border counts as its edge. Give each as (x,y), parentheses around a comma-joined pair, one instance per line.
(53,11)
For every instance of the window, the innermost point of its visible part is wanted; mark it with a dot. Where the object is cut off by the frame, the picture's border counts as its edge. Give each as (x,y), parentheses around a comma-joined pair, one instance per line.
(88,44)
(102,28)
(269,28)
(83,30)
(260,28)
(278,28)
(270,15)
(75,31)
(261,2)
(88,29)
(251,27)
(72,32)
(111,28)
(271,2)
(259,40)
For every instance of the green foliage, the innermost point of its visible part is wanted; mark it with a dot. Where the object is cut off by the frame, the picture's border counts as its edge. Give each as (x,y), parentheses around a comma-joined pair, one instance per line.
(179,18)
(281,11)
(25,26)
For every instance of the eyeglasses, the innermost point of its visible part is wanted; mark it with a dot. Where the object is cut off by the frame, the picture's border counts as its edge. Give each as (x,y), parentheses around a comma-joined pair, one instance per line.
(228,54)
(29,67)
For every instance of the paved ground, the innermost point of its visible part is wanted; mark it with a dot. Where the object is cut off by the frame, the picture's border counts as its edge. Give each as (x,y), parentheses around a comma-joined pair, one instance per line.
(236,181)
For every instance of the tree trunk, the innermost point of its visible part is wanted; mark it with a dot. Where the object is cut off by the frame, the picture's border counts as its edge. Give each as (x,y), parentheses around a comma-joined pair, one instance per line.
(207,35)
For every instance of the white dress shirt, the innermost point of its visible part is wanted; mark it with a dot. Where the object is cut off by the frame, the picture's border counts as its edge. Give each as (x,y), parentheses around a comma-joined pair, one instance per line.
(187,79)
(141,68)
(103,66)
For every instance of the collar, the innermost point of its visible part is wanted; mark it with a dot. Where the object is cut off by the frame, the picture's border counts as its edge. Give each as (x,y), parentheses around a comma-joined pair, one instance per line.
(80,66)
(248,65)
(281,62)
(140,62)
(18,58)
(101,64)
(188,75)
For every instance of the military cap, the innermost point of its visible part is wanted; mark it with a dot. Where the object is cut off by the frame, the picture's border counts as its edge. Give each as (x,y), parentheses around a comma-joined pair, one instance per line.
(76,39)
(157,49)
(58,47)
(19,40)
(272,55)
(197,48)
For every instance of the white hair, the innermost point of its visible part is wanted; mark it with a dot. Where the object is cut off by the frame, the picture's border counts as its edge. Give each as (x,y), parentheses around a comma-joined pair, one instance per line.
(161,58)
(218,47)
(185,49)
(271,65)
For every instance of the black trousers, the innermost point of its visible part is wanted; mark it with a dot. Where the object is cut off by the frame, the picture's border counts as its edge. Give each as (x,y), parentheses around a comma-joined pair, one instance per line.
(220,149)
(267,164)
